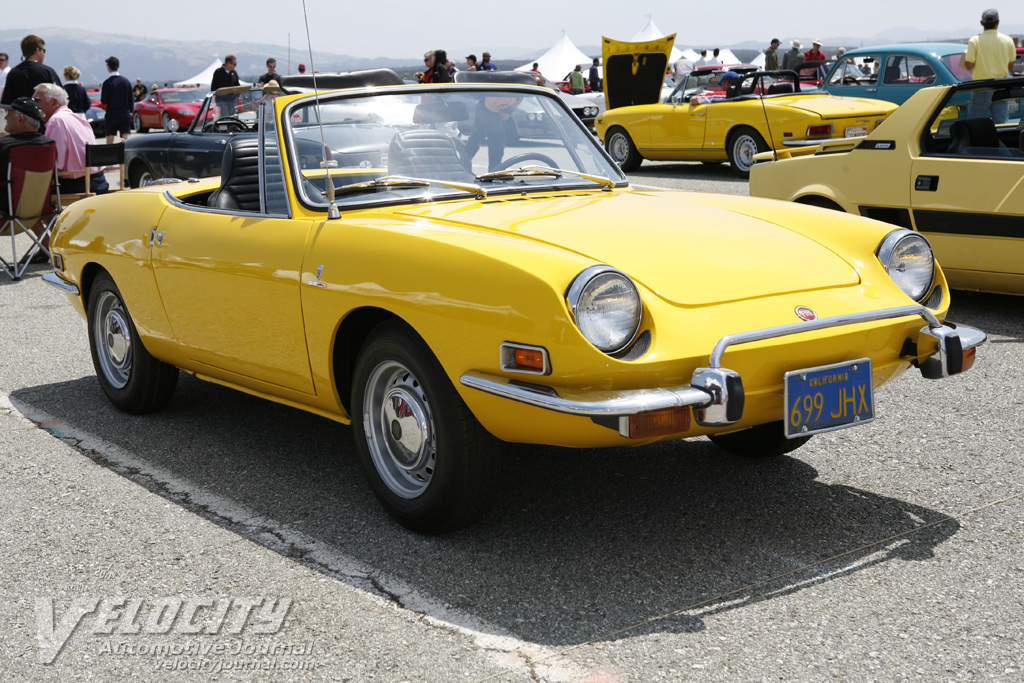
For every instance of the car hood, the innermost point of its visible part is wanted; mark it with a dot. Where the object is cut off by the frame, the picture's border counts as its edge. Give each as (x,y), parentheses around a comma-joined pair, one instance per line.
(634,72)
(831,107)
(688,252)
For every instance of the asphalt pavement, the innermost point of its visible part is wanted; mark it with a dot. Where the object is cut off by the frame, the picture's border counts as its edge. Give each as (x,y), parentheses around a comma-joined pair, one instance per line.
(231,538)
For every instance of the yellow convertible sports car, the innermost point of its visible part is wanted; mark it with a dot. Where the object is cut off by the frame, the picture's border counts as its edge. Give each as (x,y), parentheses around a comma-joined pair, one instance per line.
(947,164)
(364,258)
(710,119)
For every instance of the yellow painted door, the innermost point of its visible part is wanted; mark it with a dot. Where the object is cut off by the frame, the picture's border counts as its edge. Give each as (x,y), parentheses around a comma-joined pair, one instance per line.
(230,286)
(679,126)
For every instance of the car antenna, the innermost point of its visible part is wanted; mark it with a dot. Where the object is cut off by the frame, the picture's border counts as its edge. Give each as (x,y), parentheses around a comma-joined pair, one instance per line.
(767,123)
(327,164)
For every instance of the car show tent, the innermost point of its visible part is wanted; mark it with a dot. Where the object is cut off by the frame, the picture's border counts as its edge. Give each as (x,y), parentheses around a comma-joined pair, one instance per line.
(651,32)
(204,77)
(558,61)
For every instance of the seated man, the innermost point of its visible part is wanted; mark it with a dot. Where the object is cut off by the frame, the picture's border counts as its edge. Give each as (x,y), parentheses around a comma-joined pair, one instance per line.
(71,133)
(23,119)
(493,117)
(727,86)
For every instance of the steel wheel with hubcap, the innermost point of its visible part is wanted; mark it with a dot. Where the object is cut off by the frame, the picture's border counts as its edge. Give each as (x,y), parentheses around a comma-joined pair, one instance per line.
(621,148)
(743,144)
(133,380)
(428,461)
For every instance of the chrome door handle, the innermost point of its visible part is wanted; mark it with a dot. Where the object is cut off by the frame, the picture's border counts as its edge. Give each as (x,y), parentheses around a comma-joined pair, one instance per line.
(871,90)
(160,238)
(152,235)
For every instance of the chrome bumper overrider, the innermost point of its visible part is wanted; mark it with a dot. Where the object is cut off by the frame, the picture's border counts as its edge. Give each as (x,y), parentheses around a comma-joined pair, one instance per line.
(716,392)
(54,279)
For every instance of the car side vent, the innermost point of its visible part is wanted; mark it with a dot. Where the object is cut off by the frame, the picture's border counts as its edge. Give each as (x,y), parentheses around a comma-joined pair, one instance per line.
(639,348)
(899,217)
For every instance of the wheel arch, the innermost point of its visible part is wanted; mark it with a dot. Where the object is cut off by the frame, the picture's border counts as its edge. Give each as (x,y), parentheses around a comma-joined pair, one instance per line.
(352,332)
(822,196)
(134,165)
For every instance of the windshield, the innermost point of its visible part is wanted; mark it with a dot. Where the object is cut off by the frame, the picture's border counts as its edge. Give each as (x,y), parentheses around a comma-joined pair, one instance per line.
(231,113)
(453,141)
(179,96)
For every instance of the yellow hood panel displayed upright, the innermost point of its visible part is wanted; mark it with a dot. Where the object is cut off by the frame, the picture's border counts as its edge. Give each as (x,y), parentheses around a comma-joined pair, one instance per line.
(634,72)
(726,256)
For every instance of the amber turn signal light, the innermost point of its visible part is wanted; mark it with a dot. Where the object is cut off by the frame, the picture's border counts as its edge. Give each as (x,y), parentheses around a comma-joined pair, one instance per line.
(659,422)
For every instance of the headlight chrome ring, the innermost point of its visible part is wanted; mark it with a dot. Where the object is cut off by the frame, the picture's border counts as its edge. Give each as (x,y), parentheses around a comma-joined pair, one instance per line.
(606,307)
(908,258)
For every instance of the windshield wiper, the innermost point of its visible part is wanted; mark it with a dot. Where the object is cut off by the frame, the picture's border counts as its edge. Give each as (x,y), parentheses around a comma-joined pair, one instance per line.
(607,183)
(406,181)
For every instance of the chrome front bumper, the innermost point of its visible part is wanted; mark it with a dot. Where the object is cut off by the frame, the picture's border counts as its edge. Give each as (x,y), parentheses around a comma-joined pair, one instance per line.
(716,393)
(56,281)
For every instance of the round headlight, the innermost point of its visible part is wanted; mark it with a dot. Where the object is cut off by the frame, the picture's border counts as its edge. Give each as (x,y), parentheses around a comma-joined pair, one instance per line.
(606,306)
(590,111)
(908,258)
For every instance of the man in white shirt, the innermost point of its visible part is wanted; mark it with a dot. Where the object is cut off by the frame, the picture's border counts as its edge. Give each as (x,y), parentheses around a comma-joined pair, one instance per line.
(71,133)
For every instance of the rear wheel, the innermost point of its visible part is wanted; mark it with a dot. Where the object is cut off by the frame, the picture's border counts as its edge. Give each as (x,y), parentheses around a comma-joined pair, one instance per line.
(621,148)
(743,143)
(763,441)
(429,462)
(133,380)
(137,123)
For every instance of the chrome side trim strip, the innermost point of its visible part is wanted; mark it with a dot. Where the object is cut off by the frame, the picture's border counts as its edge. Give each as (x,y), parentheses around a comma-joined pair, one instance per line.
(819,324)
(56,281)
(589,403)
(815,143)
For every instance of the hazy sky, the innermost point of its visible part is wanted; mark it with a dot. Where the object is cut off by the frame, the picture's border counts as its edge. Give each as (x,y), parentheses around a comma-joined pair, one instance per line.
(399,28)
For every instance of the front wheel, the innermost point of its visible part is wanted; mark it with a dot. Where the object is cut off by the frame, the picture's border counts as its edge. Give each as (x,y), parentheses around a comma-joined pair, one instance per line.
(429,462)
(133,380)
(139,175)
(137,124)
(621,148)
(764,441)
(743,144)
(167,121)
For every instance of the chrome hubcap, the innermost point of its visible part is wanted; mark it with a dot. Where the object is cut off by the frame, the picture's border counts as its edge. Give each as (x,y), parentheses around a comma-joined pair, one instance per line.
(745,149)
(619,148)
(113,340)
(399,429)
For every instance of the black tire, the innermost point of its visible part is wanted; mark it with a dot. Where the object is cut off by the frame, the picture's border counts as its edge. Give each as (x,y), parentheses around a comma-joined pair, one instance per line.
(427,459)
(742,144)
(139,174)
(763,441)
(137,124)
(621,148)
(132,379)
(167,121)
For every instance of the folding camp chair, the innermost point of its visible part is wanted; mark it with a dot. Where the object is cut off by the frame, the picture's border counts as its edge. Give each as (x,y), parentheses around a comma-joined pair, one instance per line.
(108,157)
(30,175)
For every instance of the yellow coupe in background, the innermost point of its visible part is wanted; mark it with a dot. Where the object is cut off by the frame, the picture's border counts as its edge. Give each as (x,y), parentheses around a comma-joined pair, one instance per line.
(945,165)
(395,258)
(705,119)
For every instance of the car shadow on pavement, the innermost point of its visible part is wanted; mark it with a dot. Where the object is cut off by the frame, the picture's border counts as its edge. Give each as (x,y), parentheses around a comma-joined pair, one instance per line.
(580,544)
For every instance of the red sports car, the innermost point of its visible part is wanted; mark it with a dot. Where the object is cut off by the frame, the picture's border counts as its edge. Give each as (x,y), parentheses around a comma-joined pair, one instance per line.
(163,106)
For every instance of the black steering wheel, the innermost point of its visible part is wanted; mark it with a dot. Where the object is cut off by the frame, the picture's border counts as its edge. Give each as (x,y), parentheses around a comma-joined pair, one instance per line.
(528,156)
(229,124)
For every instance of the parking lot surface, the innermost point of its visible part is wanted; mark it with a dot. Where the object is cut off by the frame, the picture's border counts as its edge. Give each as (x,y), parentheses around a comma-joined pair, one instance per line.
(231,538)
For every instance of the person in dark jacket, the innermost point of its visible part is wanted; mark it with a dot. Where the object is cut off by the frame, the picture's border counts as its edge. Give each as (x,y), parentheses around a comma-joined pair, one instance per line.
(436,62)
(226,77)
(23,78)
(78,98)
(116,94)
(23,119)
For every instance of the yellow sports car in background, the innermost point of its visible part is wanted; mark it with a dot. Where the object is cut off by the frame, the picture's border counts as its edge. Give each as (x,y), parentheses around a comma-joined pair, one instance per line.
(940,165)
(395,258)
(708,119)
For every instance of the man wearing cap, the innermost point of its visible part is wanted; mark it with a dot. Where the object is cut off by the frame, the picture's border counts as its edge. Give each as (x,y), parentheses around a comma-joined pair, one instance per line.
(23,78)
(727,83)
(23,119)
(989,54)
(815,54)
(71,134)
(771,56)
(116,94)
(302,68)
(485,63)
(793,59)
(226,77)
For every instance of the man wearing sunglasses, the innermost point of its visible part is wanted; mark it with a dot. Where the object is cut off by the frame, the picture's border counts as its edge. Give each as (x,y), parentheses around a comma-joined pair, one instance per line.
(23,78)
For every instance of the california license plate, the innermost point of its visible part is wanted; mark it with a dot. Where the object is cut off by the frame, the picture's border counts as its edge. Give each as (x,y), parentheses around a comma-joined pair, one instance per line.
(828,397)
(856,131)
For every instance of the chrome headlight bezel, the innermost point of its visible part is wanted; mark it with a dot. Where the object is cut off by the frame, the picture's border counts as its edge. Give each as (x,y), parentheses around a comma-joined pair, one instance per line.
(894,252)
(580,297)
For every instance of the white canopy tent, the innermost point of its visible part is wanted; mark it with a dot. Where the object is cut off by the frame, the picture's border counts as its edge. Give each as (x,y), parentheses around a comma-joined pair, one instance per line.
(204,77)
(652,32)
(557,62)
